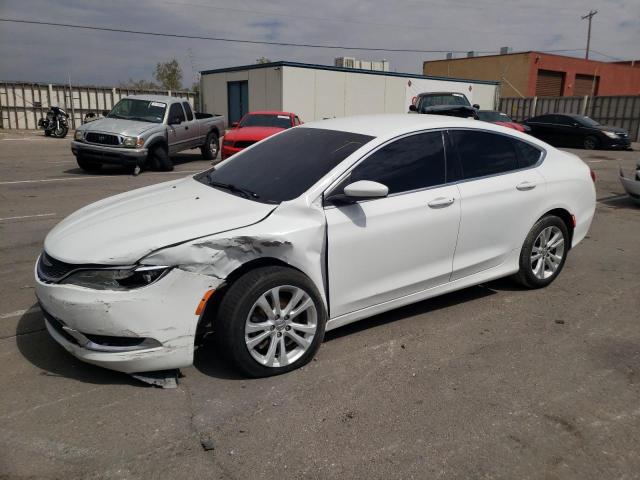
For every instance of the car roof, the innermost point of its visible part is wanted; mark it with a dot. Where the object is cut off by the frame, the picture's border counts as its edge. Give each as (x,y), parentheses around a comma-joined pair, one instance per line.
(270,112)
(390,123)
(157,98)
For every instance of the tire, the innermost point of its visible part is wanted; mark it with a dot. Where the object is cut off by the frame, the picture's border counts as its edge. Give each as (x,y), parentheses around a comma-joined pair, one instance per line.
(61,133)
(590,143)
(88,165)
(236,325)
(551,253)
(159,159)
(211,146)
(47,133)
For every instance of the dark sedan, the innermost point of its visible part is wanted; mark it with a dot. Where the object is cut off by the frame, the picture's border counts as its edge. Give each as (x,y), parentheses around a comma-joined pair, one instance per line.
(568,130)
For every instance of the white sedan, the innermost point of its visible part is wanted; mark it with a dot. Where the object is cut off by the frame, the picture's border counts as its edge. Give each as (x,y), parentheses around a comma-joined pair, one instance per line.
(311,229)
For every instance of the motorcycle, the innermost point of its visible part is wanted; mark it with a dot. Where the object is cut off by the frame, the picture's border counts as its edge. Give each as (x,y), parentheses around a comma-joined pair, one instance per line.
(56,123)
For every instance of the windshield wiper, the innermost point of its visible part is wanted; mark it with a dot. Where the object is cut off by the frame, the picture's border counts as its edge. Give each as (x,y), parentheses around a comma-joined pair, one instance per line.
(232,188)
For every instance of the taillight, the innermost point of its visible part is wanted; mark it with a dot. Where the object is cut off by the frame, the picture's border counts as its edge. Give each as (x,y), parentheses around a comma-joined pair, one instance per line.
(573,221)
(593,175)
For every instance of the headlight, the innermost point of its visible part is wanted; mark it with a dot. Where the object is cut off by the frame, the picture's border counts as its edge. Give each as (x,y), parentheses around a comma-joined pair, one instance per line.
(132,142)
(117,278)
(79,135)
(610,134)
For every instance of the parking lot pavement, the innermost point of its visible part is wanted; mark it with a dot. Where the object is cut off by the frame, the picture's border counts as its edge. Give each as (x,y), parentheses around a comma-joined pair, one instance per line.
(488,382)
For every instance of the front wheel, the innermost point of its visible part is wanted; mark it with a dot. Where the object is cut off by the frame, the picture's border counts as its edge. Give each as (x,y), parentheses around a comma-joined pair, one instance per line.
(590,143)
(543,253)
(88,165)
(271,321)
(159,159)
(61,132)
(211,146)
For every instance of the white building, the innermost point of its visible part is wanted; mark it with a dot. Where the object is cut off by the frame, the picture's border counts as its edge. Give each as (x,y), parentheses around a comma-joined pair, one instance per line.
(317,92)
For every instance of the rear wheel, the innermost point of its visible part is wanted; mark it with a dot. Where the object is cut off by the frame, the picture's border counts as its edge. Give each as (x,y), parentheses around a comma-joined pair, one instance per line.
(591,143)
(88,165)
(159,159)
(271,321)
(211,146)
(543,253)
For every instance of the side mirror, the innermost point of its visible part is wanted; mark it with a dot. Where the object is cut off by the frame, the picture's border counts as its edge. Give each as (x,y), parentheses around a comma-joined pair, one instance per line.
(413,108)
(175,120)
(363,189)
(235,125)
(476,106)
(105,113)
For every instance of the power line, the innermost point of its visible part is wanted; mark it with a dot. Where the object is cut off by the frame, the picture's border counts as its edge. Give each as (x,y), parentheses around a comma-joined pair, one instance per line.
(230,40)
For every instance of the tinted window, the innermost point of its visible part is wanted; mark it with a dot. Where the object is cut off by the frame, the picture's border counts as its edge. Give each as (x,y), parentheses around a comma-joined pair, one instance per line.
(176,111)
(443,99)
(142,110)
(528,155)
(543,119)
(407,164)
(563,120)
(483,153)
(188,111)
(286,165)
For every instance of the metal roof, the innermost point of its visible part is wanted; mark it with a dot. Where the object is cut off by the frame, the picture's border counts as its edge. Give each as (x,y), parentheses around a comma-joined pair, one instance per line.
(341,69)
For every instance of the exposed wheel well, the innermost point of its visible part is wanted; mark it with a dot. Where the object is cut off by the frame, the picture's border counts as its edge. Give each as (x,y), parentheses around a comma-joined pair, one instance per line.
(216,131)
(156,144)
(566,217)
(213,304)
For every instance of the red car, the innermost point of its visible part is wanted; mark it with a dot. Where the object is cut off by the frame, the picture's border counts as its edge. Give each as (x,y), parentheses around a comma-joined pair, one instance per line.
(499,118)
(256,126)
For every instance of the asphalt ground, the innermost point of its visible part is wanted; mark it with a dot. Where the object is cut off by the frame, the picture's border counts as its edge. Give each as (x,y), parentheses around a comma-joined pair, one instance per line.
(489,382)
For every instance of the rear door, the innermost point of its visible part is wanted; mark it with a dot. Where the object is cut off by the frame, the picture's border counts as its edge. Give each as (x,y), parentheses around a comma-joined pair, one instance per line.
(501,190)
(386,248)
(192,127)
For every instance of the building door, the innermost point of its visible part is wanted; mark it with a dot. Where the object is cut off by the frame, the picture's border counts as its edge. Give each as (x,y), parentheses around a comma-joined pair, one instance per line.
(549,83)
(586,85)
(238,98)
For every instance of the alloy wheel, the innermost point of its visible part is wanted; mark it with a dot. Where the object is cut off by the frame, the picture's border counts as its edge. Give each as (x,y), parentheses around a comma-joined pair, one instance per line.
(213,146)
(281,326)
(547,252)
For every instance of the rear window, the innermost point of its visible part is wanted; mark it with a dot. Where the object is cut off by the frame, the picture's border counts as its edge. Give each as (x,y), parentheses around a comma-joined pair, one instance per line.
(284,166)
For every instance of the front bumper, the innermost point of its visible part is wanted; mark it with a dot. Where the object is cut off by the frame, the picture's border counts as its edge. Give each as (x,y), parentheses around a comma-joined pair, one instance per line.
(161,315)
(617,143)
(110,155)
(228,151)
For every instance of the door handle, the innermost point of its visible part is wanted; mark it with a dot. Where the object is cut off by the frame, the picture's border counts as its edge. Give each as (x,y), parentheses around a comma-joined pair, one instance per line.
(441,202)
(525,186)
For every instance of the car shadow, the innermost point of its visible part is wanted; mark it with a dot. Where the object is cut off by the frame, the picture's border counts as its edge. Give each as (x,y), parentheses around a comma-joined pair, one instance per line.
(37,347)
(113,170)
(420,308)
(620,201)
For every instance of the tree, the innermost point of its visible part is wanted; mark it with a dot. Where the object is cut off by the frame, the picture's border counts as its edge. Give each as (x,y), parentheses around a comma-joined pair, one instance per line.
(263,60)
(132,84)
(169,74)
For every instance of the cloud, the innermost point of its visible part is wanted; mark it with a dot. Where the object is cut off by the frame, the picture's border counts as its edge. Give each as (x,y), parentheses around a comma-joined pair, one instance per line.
(49,54)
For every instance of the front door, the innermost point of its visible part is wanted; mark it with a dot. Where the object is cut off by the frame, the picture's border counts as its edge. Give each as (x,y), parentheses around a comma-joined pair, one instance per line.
(383,249)
(238,100)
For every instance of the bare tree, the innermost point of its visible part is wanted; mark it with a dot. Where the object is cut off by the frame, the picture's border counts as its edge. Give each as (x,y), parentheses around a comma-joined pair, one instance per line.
(263,60)
(169,74)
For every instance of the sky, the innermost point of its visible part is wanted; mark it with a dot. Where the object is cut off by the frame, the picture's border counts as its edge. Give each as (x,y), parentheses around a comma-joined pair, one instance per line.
(51,54)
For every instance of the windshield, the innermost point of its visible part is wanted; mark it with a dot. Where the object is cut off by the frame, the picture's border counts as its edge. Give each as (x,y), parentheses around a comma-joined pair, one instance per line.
(587,122)
(494,116)
(266,120)
(284,166)
(140,110)
(444,99)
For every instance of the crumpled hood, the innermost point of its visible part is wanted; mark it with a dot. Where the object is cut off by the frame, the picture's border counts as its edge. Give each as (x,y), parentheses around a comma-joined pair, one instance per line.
(252,133)
(122,229)
(129,128)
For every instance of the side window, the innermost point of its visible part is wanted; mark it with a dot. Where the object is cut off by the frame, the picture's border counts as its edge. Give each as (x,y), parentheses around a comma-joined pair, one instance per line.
(187,109)
(484,153)
(296,121)
(528,155)
(176,111)
(407,164)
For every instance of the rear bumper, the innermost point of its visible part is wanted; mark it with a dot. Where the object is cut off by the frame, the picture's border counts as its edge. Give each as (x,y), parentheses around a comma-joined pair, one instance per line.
(109,155)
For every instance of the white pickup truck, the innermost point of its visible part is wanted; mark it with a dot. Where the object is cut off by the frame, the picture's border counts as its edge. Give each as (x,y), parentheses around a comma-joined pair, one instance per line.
(144,131)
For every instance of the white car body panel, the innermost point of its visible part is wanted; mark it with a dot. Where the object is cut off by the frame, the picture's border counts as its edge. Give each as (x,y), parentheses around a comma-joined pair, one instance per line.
(364,259)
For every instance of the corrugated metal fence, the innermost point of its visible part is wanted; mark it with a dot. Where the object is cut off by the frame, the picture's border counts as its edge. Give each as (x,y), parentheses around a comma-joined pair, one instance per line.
(621,111)
(23,104)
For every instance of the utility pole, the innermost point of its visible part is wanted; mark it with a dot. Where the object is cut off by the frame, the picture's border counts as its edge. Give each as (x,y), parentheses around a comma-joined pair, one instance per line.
(589,16)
